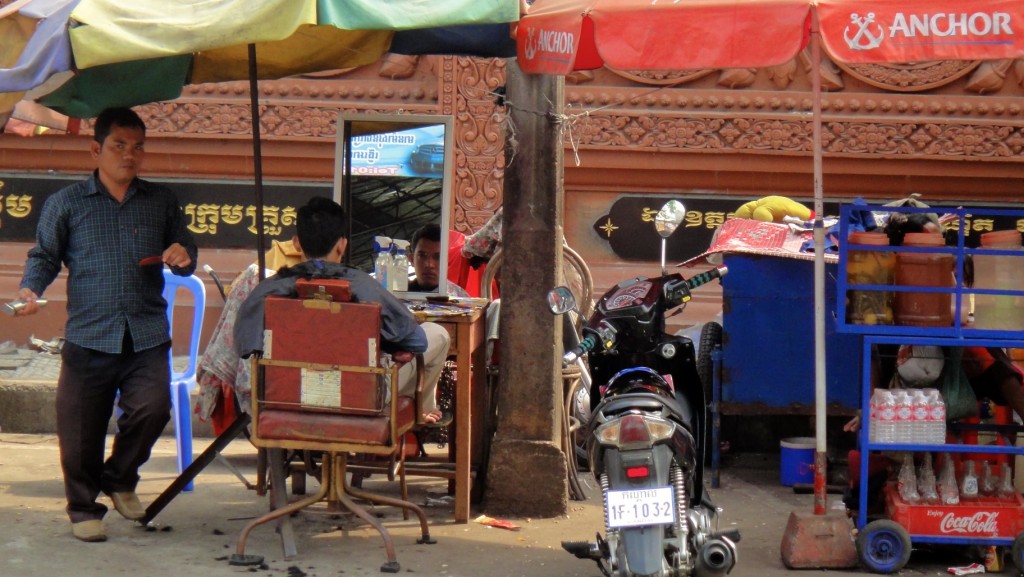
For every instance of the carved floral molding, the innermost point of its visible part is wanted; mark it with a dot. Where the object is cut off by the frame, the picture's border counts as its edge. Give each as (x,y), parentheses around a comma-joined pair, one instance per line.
(935,110)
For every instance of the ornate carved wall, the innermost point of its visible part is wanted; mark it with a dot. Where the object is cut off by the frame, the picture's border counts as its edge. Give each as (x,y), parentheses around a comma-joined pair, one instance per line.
(948,129)
(952,131)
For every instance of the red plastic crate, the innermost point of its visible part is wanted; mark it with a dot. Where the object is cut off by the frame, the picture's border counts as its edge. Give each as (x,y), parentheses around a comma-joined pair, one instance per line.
(985,517)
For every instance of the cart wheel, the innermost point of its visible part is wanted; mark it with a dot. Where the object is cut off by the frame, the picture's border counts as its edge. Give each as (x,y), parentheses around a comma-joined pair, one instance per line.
(884,546)
(710,337)
(1017,552)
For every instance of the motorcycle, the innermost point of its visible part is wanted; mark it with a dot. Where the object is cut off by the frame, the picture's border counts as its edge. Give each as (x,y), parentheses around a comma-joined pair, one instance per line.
(645,436)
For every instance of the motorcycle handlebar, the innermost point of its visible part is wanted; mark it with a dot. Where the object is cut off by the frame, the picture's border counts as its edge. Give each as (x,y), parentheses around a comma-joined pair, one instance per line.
(581,349)
(706,276)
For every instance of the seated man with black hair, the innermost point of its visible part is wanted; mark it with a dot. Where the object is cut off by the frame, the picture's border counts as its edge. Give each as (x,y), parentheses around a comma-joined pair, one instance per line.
(426,259)
(322,236)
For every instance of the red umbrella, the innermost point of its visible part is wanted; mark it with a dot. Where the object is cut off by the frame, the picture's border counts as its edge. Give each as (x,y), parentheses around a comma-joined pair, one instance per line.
(560,36)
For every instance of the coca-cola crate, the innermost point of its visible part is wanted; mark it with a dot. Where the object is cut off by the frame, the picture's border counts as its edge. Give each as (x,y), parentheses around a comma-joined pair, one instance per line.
(983,517)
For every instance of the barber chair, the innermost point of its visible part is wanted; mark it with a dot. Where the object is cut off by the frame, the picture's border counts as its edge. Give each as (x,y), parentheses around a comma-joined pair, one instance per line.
(326,388)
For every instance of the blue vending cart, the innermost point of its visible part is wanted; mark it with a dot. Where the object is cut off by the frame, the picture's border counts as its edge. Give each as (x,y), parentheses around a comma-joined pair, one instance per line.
(768,339)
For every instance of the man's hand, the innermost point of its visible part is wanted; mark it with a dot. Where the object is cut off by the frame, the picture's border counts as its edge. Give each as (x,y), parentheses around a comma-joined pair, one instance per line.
(853,425)
(31,306)
(177,256)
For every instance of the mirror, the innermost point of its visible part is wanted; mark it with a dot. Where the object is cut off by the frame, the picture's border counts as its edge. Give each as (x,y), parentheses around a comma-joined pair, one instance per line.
(666,222)
(393,174)
(668,218)
(561,300)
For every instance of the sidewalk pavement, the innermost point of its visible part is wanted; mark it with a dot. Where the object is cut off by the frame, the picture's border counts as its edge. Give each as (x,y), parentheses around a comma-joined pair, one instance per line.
(28,389)
(197,532)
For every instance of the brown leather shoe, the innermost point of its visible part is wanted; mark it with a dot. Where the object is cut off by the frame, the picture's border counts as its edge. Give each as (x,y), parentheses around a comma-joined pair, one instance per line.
(90,531)
(128,505)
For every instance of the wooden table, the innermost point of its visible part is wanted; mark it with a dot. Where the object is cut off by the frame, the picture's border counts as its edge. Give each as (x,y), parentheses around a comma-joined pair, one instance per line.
(468,336)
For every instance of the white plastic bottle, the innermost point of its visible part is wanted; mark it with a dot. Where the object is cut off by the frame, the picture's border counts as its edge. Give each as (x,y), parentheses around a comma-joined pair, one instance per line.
(874,410)
(886,417)
(400,271)
(937,422)
(920,418)
(904,414)
(382,264)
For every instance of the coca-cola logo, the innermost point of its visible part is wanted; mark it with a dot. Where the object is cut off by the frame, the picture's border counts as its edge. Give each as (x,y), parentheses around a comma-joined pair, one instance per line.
(981,523)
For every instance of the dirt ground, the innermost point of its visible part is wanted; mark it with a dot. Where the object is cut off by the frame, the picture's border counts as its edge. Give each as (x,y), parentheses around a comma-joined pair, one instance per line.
(195,535)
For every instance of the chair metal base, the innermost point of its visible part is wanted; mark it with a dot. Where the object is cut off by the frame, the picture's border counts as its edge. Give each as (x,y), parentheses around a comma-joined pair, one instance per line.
(334,488)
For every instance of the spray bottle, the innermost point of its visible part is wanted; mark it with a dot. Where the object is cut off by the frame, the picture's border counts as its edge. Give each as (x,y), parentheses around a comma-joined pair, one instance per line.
(400,277)
(382,263)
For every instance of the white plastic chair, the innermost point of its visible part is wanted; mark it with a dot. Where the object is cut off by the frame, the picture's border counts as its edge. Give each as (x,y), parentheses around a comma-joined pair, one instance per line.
(182,383)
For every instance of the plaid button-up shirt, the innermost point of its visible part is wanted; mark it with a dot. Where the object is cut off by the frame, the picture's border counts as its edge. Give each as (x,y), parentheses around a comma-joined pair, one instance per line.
(101,242)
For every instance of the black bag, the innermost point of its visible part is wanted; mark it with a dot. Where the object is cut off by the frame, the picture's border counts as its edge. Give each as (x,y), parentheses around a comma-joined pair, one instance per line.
(956,390)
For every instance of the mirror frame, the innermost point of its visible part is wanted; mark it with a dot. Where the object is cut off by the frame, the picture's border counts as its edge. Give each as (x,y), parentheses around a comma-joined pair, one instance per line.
(351,125)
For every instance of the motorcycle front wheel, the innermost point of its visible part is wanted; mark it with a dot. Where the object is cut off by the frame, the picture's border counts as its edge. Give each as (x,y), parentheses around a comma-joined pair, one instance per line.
(710,337)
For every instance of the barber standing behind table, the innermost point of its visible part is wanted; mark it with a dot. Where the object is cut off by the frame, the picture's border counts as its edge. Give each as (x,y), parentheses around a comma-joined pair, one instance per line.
(117,335)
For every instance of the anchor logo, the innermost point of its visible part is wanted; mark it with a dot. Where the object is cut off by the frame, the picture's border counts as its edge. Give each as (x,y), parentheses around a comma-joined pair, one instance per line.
(531,49)
(864,39)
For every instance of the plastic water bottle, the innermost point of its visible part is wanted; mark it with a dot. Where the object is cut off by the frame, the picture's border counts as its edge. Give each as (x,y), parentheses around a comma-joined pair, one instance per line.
(904,417)
(400,270)
(886,417)
(937,421)
(919,420)
(382,264)
(873,410)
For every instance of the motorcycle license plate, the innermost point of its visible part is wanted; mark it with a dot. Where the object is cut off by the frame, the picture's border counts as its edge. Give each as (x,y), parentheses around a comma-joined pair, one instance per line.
(638,507)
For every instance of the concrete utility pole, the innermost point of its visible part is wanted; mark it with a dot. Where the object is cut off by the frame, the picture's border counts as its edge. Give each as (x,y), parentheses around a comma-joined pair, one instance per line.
(527,469)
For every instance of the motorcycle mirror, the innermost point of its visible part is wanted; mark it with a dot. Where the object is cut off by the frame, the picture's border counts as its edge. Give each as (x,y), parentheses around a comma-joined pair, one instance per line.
(561,300)
(668,218)
(666,222)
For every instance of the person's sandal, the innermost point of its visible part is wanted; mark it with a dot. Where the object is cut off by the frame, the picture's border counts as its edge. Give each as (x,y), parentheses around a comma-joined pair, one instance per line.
(444,421)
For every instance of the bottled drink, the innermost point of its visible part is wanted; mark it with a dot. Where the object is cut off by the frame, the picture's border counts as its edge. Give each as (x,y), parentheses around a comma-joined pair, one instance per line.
(919,423)
(906,482)
(1006,488)
(400,272)
(873,415)
(382,263)
(948,493)
(904,416)
(937,421)
(886,417)
(989,482)
(969,482)
(926,484)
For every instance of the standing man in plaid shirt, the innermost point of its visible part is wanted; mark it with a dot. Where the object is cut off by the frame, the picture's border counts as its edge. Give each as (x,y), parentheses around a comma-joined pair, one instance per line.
(117,336)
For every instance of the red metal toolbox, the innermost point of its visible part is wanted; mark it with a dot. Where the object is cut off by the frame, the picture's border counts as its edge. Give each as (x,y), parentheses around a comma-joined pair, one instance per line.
(319,356)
